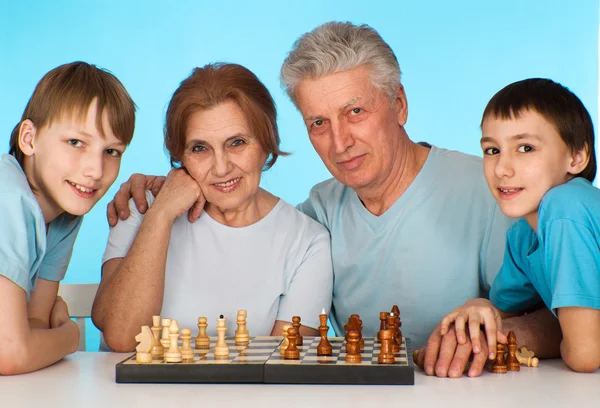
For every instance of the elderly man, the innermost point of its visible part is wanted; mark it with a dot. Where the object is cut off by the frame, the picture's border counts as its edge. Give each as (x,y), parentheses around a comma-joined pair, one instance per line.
(411,224)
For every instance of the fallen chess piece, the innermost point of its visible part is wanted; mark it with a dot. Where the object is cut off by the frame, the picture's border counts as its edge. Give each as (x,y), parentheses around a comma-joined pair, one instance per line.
(526,357)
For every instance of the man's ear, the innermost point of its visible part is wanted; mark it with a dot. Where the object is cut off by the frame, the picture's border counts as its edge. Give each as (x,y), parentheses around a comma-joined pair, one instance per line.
(401,105)
(579,161)
(27,133)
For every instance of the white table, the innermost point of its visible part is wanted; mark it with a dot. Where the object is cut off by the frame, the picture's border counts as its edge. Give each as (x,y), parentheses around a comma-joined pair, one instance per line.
(88,380)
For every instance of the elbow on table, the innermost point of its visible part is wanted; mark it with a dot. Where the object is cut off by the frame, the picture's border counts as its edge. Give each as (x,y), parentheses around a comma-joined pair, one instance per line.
(119,341)
(582,361)
(13,358)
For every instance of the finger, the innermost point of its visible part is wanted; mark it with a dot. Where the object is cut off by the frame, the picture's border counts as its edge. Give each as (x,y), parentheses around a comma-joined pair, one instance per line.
(138,191)
(111,214)
(459,326)
(121,201)
(431,352)
(460,360)
(446,322)
(446,354)
(474,330)
(501,337)
(419,357)
(157,184)
(478,362)
(196,210)
(490,333)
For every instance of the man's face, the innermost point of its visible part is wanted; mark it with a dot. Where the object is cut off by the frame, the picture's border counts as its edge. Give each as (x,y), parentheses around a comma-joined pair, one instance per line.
(353,126)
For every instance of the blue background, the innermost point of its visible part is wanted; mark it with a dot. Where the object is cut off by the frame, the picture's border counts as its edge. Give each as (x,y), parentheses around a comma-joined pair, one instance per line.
(454,56)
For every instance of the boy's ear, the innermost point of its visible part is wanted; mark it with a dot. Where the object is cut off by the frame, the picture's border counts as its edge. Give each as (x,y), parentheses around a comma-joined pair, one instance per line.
(579,161)
(27,132)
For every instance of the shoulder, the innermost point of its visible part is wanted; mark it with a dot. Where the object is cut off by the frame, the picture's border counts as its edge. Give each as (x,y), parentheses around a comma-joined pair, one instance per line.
(460,170)
(520,237)
(291,217)
(575,200)
(328,191)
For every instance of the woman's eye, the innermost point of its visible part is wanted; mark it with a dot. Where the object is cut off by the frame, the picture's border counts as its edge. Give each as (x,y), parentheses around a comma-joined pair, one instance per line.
(198,149)
(238,142)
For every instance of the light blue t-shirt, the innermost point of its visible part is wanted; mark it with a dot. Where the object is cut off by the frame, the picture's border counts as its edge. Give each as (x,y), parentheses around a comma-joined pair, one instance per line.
(27,250)
(560,265)
(440,244)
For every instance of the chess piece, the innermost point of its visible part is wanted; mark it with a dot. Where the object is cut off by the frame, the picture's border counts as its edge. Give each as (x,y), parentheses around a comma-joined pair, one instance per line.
(391,325)
(221,349)
(173,354)
(499,366)
(187,353)
(353,347)
(202,340)
(157,349)
(358,325)
(286,341)
(526,357)
(396,312)
(512,362)
(241,334)
(292,352)
(383,317)
(296,325)
(324,348)
(144,349)
(164,340)
(386,354)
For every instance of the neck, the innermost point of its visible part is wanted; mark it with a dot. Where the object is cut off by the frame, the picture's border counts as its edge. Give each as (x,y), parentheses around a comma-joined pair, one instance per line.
(49,211)
(250,212)
(407,163)
(532,220)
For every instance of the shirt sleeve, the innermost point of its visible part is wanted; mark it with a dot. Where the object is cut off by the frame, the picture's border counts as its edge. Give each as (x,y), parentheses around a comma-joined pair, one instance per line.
(572,262)
(121,236)
(311,287)
(22,238)
(59,248)
(512,291)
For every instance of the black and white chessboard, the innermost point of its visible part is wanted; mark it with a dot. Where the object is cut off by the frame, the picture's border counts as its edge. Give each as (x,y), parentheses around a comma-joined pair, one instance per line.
(262,362)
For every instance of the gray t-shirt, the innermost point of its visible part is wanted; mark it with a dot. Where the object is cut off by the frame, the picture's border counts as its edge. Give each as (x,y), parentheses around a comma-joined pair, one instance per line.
(277,268)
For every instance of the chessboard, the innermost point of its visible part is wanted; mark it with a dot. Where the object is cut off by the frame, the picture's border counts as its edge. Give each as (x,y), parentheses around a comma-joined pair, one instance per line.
(260,361)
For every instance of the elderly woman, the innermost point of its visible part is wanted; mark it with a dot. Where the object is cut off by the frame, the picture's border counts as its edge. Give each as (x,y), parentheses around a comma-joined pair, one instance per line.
(249,249)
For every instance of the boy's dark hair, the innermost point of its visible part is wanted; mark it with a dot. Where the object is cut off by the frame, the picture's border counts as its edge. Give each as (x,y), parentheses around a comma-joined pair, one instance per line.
(557,104)
(70,89)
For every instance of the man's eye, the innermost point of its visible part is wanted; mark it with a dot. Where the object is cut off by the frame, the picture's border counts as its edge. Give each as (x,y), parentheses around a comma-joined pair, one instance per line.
(356,111)
(491,151)
(75,142)
(525,149)
(318,123)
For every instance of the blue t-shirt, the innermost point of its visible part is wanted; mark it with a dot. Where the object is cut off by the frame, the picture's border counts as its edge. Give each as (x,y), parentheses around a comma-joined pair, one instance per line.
(560,265)
(440,244)
(27,250)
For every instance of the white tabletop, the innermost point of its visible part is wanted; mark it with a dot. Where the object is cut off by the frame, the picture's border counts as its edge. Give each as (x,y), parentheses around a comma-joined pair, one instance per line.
(88,380)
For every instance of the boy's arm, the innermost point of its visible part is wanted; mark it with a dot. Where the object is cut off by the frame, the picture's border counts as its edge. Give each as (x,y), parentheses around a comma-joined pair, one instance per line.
(41,303)
(22,348)
(580,347)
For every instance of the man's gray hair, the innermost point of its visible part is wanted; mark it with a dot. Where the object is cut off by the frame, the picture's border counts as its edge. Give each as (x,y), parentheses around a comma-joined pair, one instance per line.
(336,47)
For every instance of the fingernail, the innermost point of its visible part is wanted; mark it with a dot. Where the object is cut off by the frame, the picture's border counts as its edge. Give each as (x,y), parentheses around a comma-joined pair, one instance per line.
(492,356)
(429,369)
(122,215)
(453,373)
(475,349)
(142,208)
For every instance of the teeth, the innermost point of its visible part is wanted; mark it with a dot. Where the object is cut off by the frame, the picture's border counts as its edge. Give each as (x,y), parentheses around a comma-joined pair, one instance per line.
(81,188)
(229,183)
(509,191)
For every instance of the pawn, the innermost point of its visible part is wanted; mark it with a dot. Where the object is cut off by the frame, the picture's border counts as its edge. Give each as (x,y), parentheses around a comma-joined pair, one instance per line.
(292,352)
(353,347)
(241,334)
(173,355)
(499,366)
(512,362)
(386,354)
(296,324)
(158,349)
(144,349)
(202,340)
(187,354)
(164,340)
(286,341)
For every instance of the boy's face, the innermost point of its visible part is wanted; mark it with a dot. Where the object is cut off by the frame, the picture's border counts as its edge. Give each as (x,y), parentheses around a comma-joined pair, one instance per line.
(523,158)
(71,165)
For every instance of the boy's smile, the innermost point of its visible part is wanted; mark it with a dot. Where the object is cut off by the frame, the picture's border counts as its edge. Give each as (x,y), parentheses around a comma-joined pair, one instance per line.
(524,157)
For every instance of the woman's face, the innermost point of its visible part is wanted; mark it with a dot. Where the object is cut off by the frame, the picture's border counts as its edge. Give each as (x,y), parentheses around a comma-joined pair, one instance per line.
(223,156)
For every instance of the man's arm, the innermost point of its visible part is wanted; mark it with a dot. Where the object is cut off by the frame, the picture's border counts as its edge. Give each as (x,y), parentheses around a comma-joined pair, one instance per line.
(24,348)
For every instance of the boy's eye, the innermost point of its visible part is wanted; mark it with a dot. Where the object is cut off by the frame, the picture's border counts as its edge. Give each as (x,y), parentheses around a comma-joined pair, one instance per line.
(113,152)
(75,142)
(525,149)
(491,151)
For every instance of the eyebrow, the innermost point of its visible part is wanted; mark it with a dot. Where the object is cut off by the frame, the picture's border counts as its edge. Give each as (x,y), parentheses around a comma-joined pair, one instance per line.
(344,106)
(517,137)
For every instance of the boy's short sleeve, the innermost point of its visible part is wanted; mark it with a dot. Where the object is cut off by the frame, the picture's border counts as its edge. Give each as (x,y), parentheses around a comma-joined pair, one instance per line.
(22,238)
(62,233)
(512,290)
(572,261)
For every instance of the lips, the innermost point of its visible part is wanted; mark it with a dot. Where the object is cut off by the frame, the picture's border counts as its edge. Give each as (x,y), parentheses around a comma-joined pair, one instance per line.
(228,186)
(352,163)
(81,190)
(507,193)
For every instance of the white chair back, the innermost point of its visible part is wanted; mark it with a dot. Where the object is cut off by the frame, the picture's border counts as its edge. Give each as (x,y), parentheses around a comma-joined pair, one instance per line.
(79,298)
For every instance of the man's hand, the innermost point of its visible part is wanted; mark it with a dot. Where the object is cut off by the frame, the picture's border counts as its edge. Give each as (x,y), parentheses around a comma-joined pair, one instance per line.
(445,357)
(59,314)
(135,187)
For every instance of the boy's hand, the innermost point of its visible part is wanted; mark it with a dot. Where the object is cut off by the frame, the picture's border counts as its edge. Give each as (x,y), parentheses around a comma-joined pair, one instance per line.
(135,187)
(59,314)
(476,312)
(179,194)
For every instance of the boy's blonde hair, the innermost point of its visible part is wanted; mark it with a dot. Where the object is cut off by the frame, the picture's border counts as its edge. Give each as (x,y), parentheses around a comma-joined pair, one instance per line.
(69,90)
